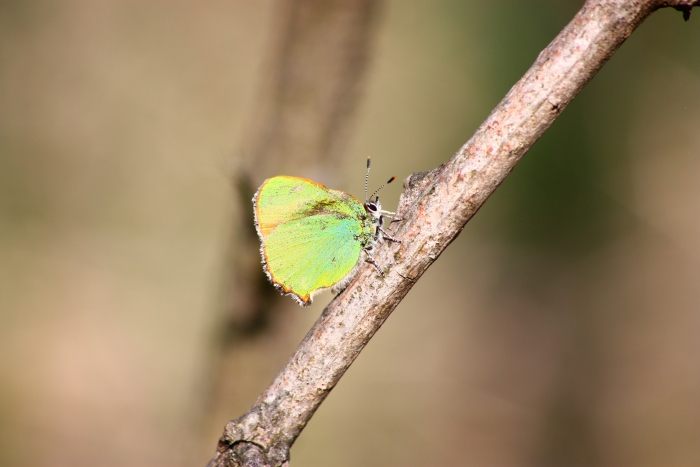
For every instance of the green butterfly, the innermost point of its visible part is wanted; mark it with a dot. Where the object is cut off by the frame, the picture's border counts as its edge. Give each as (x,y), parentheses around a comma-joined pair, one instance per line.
(312,237)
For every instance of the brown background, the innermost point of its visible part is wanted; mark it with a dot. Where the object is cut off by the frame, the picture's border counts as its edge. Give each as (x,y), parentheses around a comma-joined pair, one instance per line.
(561,328)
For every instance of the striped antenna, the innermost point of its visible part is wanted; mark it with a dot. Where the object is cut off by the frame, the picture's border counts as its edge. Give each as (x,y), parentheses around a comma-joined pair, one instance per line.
(366,180)
(385,184)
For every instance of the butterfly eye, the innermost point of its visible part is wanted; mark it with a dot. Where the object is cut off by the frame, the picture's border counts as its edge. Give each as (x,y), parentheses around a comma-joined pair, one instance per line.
(371,207)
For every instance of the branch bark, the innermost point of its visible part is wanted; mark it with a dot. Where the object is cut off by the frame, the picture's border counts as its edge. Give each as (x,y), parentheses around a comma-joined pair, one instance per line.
(436,206)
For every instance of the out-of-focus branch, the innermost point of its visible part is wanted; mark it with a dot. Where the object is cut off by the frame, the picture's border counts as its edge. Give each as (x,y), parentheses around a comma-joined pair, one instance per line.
(436,206)
(301,120)
(309,88)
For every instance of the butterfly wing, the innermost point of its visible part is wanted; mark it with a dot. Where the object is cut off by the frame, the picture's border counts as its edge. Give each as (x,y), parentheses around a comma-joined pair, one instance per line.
(310,234)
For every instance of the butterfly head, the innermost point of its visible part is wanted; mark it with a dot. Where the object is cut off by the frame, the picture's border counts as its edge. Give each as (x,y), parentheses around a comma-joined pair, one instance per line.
(374,208)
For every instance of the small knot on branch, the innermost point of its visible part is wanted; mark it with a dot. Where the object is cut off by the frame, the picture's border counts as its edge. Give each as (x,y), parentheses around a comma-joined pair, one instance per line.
(685,9)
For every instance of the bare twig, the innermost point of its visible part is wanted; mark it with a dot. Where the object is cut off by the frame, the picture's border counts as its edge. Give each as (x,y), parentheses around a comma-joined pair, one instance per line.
(437,205)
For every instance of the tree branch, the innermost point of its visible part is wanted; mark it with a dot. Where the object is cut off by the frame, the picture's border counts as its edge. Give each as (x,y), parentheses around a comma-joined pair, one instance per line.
(303,114)
(436,206)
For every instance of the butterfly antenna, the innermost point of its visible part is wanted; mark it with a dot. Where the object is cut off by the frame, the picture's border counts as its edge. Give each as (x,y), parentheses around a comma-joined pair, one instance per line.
(385,184)
(366,180)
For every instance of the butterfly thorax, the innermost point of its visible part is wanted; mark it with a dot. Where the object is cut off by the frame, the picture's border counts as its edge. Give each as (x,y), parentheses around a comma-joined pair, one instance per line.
(373,211)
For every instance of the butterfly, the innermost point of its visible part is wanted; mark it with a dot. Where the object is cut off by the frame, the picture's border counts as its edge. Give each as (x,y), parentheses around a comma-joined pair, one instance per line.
(312,237)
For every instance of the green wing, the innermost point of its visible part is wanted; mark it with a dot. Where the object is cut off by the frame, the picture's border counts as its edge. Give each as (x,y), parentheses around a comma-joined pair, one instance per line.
(311,254)
(284,199)
(310,234)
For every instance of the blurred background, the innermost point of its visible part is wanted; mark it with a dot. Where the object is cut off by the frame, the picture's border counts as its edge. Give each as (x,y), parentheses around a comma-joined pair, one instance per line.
(561,328)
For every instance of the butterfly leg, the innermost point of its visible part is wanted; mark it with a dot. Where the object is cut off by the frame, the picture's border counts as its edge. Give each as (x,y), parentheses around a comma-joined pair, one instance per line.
(386,236)
(371,261)
(392,215)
